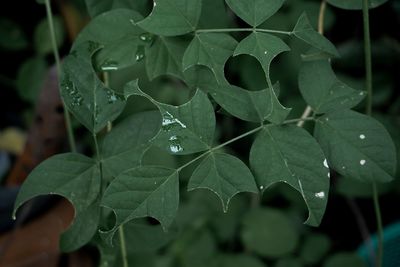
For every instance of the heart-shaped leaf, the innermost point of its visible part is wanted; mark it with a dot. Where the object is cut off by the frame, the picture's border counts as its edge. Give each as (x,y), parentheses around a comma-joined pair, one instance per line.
(357,146)
(223,174)
(290,154)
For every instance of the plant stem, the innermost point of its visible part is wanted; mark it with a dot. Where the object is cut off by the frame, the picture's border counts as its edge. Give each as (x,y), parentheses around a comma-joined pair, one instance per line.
(243,30)
(238,138)
(123,246)
(96,145)
(67,117)
(368,111)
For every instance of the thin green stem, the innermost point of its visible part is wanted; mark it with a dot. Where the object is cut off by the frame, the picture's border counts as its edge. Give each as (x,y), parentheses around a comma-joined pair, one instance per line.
(243,30)
(123,246)
(255,130)
(368,111)
(96,145)
(67,117)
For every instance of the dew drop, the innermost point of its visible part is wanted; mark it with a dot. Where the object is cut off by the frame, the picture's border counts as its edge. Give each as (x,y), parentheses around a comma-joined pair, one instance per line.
(261,187)
(175,148)
(265,52)
(14,217)
(146,37)
(362,136)
(109,65)
(326,163)
(139,56)
(320,194)
(362,162)
(361,93)
(175,144)
(329,175)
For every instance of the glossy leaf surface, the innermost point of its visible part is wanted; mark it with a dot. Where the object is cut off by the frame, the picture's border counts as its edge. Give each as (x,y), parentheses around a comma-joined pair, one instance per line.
(223,174)
(289,154)
(357,146)
(323,91)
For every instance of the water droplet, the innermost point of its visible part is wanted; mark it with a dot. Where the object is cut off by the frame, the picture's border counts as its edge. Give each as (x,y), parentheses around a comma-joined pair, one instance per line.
(175,148)
(14,217)
(362,136)
(261,187)
(111,97)
(326,164)
(109,65)
(139,56)
(169,122)
(154,4)
(343,167)
(363,161)
(327,119)
(175,144)
(320,194)
(329,175)
(361,93)
(265,52)
(146,37)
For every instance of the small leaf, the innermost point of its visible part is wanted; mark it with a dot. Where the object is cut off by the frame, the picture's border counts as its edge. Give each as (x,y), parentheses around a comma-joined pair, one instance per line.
(355,4)
(323,91)
(119,37)
(238,260)
(172,17)
(141,192)
(357,146)
(88,99)
(314,248)
(223,174)
(265,47)
(289,154)
(42,37)
(255,12)
(344,259)
(186,129)
(30,78)
(211,50)
(165,55)
(75,177)
(269,233)
(304,31)
(254,106)
(124,146)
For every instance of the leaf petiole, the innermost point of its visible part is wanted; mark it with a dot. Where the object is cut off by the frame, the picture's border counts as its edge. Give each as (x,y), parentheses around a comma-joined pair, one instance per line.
(243,30)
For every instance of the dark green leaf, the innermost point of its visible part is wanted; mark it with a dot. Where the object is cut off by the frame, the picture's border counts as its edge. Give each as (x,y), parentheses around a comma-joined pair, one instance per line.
(172,17)
(11,36)
(357,146)
(211,50)
(122,41)
(289,154)
(288,262)
(42,38)
(75,177)
(304,31)
(355,4)
(96,7)
(165,55)
(88,99)
(352,188)
(223,174)
(187,128)
(323,91)
(30,78)
(238,260)
(269,233)
(314,248)
(214,15)
(265,47)
(255,12)
(141,192)
(124,146)
(254,106)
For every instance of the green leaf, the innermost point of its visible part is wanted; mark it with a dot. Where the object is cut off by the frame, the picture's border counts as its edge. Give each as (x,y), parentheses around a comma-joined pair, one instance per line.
(294,157)
(211,50)
(124,146)
(305,32)
(122,41)
(42,38)
(344,259)
(238,260)
(75,177)
(30,78)
(255,12)
(353,188)
(323,91)
(141,192)
(254,106)
(265,47)
(96,7)
(355,4)
(288,262)
(12,36)
(314,248)
(223,174)
(214,15)
(172,17)
(269,233)
(88,99)
(186,129)
(165,56)
(357,146)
